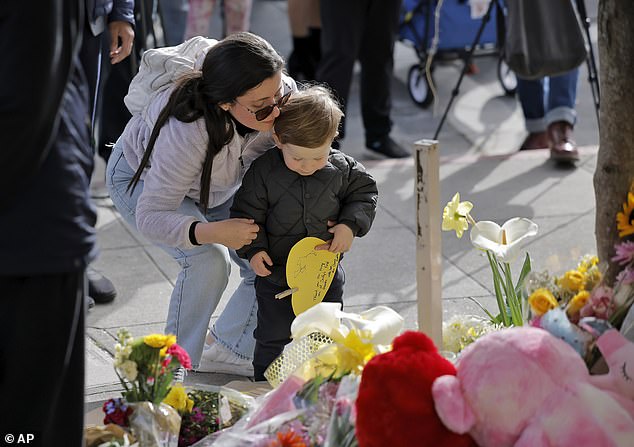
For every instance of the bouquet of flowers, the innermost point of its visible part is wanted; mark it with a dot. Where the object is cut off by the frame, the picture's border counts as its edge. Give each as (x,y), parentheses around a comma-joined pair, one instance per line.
(205,410)
(321,414)
(572,291)
(461,330)
(580,298)
(145,367)
(502,245)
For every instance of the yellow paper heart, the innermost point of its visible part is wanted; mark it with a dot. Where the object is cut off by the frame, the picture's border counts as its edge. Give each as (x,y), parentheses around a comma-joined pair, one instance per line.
(309,271)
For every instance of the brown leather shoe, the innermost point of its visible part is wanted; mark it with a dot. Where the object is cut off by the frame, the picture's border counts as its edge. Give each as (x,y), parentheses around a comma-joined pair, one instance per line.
(535,140)
(563,148)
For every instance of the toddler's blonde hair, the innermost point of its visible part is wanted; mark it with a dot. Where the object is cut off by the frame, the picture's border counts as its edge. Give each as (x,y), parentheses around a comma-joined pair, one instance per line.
(310,118)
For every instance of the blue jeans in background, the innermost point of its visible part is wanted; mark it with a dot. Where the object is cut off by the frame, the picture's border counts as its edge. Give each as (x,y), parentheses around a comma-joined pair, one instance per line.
(547,100)
(173,15)
(203,277)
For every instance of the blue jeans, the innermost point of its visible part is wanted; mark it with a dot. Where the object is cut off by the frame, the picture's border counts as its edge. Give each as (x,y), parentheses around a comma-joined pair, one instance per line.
(547,100)
(203,277)
(174,20)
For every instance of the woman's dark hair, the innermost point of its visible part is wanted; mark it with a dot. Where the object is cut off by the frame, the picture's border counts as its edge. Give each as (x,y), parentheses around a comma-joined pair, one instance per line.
(233,66)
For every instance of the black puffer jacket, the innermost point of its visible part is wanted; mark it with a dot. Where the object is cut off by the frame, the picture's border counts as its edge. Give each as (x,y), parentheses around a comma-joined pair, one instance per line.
(289,207)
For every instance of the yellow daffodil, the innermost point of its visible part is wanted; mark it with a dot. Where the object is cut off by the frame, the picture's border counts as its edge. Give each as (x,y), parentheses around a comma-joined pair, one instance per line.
(505,241)
(572,280)
(177,398)
(357,341)
(577,302)
(541,301)
(454,216)
(625,219)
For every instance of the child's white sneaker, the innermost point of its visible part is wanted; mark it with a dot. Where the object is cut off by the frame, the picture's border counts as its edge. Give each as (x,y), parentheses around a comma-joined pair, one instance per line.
(218,359)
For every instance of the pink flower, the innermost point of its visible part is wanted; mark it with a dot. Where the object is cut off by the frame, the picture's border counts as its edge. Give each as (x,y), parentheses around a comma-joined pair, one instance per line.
(150,381)
(180,354)
(624,252)
(600,304)
(626,276)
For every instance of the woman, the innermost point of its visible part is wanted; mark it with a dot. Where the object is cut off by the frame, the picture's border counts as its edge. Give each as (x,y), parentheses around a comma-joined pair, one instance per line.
(173,173)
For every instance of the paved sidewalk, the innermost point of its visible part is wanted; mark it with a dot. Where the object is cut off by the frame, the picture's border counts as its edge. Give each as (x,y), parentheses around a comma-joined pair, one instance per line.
(478,159)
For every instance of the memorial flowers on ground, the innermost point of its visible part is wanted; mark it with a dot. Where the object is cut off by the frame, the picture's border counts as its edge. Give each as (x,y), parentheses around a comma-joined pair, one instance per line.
(502,245)
(146,365)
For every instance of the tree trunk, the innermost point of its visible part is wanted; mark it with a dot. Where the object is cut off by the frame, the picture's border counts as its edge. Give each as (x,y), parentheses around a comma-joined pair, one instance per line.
(615,163)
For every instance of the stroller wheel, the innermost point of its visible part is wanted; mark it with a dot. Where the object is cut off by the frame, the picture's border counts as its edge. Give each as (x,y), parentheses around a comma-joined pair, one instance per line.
(418,87)
(507,78)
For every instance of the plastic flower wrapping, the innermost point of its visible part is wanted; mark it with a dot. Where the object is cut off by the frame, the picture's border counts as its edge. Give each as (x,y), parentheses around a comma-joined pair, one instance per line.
(318,412)
(315,381)
(206,409)
(157,411)
(328,341)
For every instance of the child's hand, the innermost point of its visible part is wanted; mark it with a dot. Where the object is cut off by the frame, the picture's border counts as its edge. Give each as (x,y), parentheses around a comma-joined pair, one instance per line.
(342,240)
(259,261)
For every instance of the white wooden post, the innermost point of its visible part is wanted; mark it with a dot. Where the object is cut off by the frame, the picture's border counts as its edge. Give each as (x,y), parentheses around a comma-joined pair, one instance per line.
(428,240)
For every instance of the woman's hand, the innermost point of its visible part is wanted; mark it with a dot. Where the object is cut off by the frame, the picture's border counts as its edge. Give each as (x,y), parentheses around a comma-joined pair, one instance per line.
(259,263)
(232,233)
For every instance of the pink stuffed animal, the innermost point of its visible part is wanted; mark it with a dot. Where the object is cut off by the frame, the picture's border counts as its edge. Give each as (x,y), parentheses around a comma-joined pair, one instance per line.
(523,387)
(619,382)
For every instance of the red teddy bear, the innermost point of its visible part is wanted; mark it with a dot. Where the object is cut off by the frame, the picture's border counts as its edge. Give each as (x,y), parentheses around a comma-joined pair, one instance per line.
(395,406)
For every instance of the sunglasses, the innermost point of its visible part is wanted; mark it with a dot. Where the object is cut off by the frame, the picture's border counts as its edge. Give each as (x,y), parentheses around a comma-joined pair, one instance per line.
(264,112)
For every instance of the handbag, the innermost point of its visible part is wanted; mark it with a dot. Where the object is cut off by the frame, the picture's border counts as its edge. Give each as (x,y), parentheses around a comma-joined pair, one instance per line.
(543,38)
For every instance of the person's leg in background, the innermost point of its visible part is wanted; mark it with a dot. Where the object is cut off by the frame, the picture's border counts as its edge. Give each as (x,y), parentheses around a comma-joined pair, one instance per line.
(562,116)
(305,24)
(173,15)
(95,63)
(377,62)
(199,18)
(531,95)
(49,399)
(237,16)
(199,286)
(341,32)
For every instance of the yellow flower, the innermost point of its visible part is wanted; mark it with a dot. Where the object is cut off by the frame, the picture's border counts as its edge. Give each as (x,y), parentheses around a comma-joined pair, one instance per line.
(572,280)
(454,216)
(355,340)
(177,398)
(541,301)
(577,302)
(170,339)
(159,340)
(625,220)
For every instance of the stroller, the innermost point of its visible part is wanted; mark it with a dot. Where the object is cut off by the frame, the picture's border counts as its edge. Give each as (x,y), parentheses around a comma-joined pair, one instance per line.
(457,32)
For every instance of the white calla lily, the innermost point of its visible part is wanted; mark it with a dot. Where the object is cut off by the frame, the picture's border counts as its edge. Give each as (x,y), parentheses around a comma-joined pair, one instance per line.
(506,241)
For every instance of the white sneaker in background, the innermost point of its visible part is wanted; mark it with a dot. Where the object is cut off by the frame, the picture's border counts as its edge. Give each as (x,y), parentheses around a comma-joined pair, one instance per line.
(179,375)
(218,359)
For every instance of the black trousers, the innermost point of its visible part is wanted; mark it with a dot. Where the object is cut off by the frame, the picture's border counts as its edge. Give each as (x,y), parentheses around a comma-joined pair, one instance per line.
(364,30)
(273,331)
(42,358)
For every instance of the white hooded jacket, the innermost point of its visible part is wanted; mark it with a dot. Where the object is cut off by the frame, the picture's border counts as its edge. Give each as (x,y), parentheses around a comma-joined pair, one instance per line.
(175,166)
